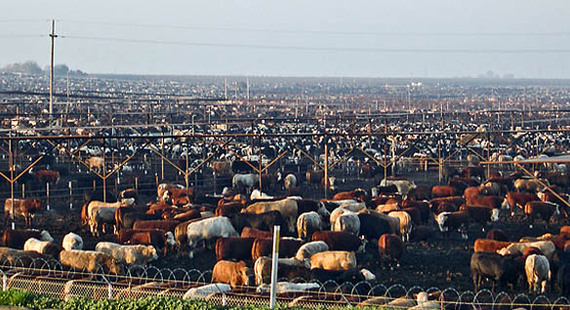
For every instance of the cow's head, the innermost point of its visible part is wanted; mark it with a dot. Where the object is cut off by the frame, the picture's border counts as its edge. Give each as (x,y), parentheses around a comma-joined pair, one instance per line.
(45,236)
(495,215)
(37,205)
(150,252)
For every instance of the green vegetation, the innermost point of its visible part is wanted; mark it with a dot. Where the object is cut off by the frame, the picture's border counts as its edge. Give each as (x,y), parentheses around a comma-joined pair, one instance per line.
(31,300)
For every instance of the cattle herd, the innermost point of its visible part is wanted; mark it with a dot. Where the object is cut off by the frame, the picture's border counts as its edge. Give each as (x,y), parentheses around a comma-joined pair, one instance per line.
(428,199)
(361,234)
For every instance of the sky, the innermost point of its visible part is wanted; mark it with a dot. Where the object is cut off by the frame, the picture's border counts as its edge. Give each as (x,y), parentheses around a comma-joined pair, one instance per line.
(356,38)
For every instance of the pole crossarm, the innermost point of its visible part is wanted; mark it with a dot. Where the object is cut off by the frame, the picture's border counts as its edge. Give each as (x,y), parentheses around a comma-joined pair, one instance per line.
(309,157)
(274,161)
(30,166)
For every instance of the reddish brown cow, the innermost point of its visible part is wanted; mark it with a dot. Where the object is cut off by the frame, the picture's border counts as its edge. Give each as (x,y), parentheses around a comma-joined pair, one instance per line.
(467,181)
(489,245)
(234,248)
(480,214)
(471,172)
(263,247)
(444,191)
(519,199)
(454,200)
(493,202)
(167,225)
(249,232)
(474,191)
(229,209)
(445,207)
(565,230)
(391,248)
(15,238)
(415,214)
(159,238)
(180,196)
(338,240)
(420,193)
(47,176)
(22,207)
(547,196)
(544,209)
(497,234)
(423,206)
(356,194)
(188,215)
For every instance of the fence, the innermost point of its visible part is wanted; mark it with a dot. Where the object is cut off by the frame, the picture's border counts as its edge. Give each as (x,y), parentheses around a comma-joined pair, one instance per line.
(50,278)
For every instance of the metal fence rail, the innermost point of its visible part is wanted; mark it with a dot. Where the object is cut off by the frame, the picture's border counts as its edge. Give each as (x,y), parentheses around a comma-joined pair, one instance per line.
(49,277)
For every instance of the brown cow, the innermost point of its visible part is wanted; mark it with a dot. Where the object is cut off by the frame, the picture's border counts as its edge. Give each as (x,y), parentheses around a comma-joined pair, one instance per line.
(489,245)
(249,232)
(22,207)
(497,234)
(423,206)
(544,209)
(264,247)
(444,191)
(338,240)
(188,215)
(234,248)
(167,225)
(15,238)
(391,248)
(229,209)
(488,201)
(159,238)
(518,199)
(357,194)
(47,176)
(474,191)
(233,273)
(455,200)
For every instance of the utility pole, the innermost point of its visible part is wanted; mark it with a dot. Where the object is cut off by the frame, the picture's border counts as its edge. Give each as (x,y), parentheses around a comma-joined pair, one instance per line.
(52,36)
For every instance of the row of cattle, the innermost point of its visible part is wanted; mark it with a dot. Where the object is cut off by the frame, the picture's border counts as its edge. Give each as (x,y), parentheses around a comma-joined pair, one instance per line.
(539,260)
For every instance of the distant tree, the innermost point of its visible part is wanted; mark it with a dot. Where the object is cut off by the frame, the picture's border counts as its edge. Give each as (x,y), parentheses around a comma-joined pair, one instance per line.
(28,67)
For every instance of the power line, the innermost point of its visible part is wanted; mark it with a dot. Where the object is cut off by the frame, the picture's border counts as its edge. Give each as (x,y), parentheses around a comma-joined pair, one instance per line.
(330,49)
(346,33)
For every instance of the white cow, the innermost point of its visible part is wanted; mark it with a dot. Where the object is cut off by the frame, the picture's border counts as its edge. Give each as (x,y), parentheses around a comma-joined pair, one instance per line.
(72,241)
(404,186)
(128,254)
(204,291)
(208,229)
(537,269)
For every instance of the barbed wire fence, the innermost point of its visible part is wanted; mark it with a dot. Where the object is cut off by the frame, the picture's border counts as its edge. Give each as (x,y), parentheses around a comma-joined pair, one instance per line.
(49,277)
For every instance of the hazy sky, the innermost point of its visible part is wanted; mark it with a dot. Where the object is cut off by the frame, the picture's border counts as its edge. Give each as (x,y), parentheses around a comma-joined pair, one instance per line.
(369,38)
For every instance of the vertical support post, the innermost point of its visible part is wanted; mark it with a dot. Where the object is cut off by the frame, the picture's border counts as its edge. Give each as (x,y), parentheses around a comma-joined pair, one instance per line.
(52,36)
(259,166)
(326,168)
(11,163)
(274,266)
(70,185)
(47,195)
(23,190)
(162,157)
(137,184)
(440,162)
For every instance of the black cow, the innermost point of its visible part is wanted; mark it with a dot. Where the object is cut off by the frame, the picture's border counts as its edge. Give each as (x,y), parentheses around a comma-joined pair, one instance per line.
(372,227)
(499,269)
